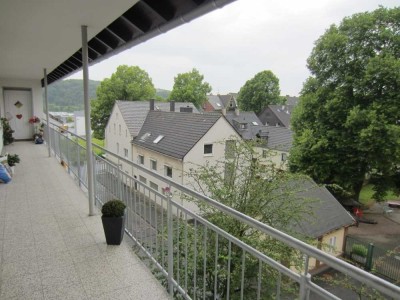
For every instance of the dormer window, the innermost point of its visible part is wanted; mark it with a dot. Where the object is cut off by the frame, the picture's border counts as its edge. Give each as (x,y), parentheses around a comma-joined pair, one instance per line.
(243,125)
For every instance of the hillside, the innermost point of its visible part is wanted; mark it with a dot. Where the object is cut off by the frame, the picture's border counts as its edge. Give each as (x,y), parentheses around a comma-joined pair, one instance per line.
(67,95)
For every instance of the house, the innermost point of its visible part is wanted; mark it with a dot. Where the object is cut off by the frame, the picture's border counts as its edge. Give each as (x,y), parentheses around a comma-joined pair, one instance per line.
(276,115)
(126,120)
(329,221)
(173,143)
(220,102)
(278,140)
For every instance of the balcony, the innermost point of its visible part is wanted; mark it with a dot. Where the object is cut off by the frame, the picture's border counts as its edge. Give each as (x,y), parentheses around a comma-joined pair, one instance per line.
(51,249)
(47,232)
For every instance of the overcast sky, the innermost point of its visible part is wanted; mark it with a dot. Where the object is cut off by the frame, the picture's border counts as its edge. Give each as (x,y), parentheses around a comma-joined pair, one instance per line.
(229,46)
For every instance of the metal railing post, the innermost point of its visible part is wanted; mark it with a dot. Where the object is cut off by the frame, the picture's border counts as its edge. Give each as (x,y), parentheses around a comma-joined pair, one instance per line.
(79,163)
(368,262)
(46,101)
(305,279)
(170,244)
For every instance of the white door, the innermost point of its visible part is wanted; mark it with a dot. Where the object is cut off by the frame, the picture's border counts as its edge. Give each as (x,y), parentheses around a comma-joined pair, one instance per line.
(18,110)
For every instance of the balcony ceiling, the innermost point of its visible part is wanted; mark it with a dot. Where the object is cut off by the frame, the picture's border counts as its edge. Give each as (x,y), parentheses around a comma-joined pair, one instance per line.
(39,34)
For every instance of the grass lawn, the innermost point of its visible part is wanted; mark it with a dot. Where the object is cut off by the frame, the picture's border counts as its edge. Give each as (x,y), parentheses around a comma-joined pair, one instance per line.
(367,192)
(94,141)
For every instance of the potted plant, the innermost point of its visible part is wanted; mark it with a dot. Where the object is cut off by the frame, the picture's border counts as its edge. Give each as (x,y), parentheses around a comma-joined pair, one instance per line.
(12,160)
(113,218)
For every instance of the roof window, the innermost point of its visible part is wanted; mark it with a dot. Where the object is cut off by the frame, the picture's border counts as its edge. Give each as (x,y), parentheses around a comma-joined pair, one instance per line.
(145,136)
(159,138)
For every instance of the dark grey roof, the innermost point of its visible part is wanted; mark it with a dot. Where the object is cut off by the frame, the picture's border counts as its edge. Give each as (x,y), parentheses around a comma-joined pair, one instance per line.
(181,131)
(253,123)
(143,21)
(282,112)
(327,213)
(279,138)
(226,99)
(135,112)
(215,101)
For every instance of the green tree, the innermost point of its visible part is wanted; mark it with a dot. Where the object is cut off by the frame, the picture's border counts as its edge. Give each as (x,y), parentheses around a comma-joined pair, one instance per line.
(260,91)
(347,123)
(190,87)
(259,191)
(129,83)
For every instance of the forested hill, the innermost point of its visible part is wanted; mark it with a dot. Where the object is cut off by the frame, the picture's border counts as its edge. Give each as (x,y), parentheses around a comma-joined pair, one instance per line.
(67,95)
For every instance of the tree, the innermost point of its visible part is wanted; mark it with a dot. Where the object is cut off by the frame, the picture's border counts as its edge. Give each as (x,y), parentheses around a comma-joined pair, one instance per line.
(347,123)
(189,87)
(129,83)
(262,192)
(259,92)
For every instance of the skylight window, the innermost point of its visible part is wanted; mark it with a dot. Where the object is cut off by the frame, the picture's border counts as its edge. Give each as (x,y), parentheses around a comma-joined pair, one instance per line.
(145,136)
(219,105)
(254,123)
(159,138)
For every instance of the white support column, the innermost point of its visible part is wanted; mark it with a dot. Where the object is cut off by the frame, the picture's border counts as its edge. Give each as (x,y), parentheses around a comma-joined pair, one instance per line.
(46,101)
(88,129)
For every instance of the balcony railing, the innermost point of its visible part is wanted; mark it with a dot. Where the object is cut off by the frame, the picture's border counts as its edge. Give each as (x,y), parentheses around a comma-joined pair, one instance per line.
(193,257)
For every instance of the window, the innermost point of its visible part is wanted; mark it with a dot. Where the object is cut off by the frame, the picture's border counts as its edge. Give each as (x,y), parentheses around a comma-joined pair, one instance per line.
(264,153)
(120,129)
(284,156)
(230,146)
(243,125)
(153,186)
(168,171)
(332,244)
(126,132)
(125,152)
(117,148)
(153,164)
(208,148)
(141,159)
(229,172)
(254,123)
(115,128)
(159,138)
(142,179)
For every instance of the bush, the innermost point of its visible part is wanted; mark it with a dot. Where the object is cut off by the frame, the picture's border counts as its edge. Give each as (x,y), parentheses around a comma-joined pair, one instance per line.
(113,208)
(359,249)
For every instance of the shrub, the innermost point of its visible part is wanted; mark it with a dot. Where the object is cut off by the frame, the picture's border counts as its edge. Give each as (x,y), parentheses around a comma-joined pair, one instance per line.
(113,208)
(359,249)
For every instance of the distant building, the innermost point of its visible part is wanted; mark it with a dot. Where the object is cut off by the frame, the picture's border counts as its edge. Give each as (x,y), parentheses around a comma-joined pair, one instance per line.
(79,123)
(276,115)
(220,102)
(278,140)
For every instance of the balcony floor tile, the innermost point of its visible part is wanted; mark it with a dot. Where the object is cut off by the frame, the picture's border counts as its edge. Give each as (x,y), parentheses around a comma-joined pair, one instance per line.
(51,249)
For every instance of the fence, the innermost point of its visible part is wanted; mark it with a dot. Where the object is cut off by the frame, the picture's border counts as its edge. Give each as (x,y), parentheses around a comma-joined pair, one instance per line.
(385,262)
(193,257)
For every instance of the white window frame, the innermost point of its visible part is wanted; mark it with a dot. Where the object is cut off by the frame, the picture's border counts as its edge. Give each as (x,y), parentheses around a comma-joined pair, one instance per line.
(126,153)
(142,179)
(153,185)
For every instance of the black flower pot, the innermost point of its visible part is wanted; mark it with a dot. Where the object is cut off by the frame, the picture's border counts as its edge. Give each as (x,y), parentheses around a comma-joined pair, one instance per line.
(114,229)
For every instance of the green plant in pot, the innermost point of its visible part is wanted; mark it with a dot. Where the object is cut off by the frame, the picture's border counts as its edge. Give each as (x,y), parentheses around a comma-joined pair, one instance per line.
(113,218)
(13,159)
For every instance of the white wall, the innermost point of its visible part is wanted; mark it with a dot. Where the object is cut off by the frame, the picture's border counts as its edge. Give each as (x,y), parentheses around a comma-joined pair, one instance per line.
(123,138)
(37,93)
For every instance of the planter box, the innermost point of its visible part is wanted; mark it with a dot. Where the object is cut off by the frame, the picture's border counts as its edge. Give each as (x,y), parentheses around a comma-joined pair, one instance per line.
(114,229)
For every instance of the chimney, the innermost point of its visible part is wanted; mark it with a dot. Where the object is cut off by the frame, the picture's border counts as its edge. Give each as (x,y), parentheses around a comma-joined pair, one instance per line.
(187,109)
(223,111)
(151,104)
(172,105)
(236,112)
